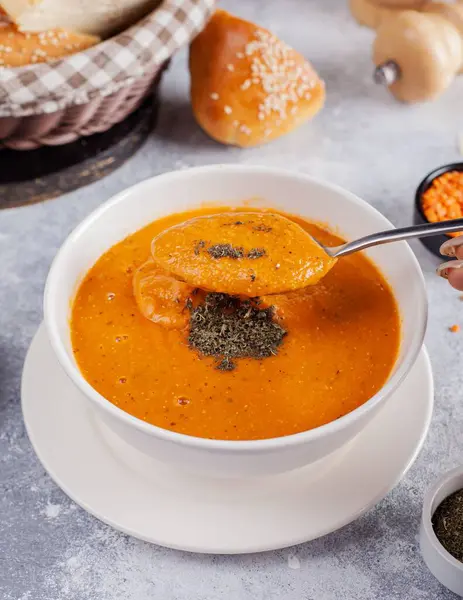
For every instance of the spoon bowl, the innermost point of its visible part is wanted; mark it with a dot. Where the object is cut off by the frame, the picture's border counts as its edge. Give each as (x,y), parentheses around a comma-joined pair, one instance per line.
(241,253)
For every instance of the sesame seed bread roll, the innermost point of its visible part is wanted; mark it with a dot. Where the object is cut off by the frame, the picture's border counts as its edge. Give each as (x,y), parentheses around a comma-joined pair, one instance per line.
(247,86)
(18,49)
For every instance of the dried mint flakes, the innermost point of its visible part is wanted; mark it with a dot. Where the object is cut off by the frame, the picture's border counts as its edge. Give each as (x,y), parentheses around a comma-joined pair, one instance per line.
(447,523)
(225,251)
(228,251)
(256,253)
(227,328)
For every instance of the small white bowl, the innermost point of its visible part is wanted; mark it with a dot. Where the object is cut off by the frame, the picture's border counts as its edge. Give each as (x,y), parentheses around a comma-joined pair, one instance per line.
(233,186)
(447,569)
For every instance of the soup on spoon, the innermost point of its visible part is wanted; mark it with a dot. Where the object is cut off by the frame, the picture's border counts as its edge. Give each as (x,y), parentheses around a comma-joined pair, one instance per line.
(241,253)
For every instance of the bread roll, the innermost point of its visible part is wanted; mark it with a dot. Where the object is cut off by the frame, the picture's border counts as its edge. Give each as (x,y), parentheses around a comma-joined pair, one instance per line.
(18,49)
(248,87)
(98,17)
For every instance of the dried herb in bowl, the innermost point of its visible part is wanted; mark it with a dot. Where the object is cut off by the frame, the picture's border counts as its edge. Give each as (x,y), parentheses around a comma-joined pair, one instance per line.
(447,523)
(229,328)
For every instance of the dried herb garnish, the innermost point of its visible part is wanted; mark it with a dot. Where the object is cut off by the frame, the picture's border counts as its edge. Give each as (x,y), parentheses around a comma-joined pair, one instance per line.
(262,227)
(199,245)
(234,223)
(229,251)
(226,364)
(447,523)
(256,253)
(229,328)
(225,251)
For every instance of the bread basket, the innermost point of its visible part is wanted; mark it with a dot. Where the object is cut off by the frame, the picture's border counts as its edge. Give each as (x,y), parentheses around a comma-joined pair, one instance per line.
(56,103)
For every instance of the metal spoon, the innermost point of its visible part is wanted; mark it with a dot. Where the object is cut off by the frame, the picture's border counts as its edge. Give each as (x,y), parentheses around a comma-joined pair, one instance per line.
(394,235)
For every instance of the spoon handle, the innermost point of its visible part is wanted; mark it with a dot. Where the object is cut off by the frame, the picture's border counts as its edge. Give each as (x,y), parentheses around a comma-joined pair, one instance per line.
(396,235)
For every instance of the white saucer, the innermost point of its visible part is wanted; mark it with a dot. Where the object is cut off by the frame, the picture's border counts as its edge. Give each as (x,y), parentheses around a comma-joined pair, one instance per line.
(150,501)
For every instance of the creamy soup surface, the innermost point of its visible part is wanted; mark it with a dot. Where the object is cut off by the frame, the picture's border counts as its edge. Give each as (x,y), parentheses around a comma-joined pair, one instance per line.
(343,337)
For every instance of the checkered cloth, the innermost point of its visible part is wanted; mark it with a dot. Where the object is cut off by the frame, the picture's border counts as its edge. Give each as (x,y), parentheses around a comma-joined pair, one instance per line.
(105,68)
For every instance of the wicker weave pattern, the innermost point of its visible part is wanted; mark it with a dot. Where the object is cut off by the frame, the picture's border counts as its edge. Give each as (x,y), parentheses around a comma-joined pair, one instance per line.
(65,126)
(56,103)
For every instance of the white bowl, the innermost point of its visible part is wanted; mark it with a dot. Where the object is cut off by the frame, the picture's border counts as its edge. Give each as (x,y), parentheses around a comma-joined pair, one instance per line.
(447,569)
(233,185)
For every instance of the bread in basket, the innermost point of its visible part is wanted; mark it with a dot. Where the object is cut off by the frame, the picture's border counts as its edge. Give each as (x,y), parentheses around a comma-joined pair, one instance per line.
(55,103)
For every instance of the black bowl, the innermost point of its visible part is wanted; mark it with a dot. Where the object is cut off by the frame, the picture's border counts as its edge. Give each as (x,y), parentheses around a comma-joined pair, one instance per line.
(434,242)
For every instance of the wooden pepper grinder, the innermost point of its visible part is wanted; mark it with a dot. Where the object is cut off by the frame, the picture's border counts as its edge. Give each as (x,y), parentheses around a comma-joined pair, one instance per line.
(372,12)
(417,54)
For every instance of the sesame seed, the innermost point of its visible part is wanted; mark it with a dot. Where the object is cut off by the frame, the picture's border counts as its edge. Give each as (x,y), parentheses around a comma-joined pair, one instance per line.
(239,55)
(214,96)
(244,129)
(230,67)
(227,110)
(274,67)
(236,123)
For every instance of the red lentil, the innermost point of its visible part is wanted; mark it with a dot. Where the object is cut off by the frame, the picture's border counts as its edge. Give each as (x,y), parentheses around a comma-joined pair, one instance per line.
(444,198)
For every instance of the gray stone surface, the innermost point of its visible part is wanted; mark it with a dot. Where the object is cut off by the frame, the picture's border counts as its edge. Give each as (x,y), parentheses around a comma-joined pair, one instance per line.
(52,550)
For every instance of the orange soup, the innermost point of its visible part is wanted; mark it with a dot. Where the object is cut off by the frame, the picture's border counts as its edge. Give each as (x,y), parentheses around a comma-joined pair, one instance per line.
(342,340)
(248,254)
